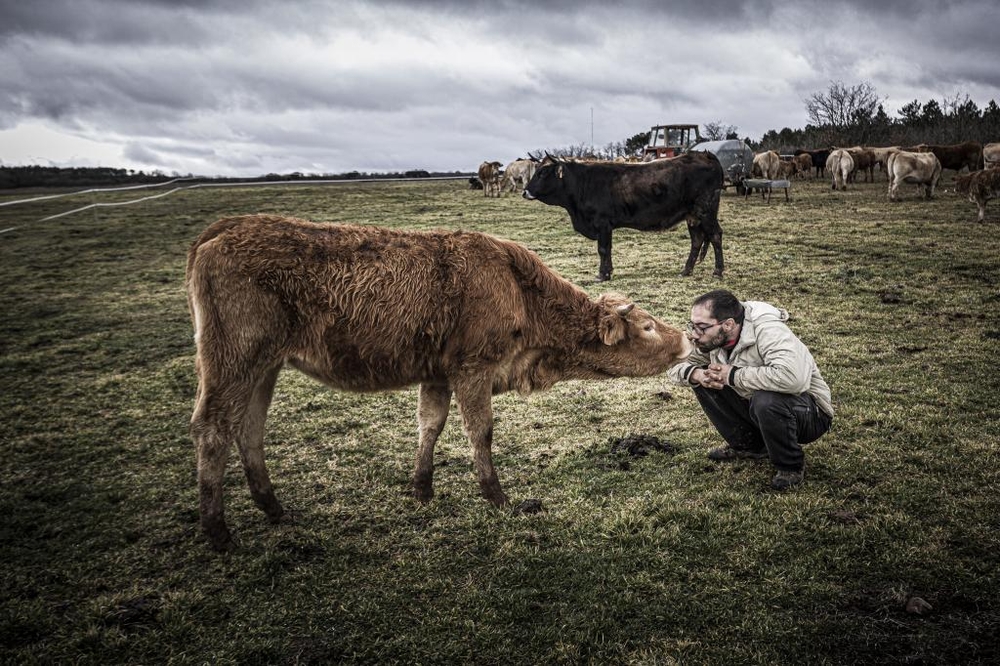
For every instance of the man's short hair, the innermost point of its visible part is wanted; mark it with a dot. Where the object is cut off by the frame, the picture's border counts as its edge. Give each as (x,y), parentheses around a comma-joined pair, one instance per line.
(723,305)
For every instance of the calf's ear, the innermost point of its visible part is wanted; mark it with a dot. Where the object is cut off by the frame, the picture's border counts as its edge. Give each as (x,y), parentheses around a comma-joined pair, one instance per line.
(613,329)
(614,325)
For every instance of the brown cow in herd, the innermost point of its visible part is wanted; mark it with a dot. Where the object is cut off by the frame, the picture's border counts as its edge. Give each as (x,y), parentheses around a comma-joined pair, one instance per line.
(369,309)
(864,161)
(979,187)
(489,175)
(803,164)
(787,169)
(968,155)
(818,158)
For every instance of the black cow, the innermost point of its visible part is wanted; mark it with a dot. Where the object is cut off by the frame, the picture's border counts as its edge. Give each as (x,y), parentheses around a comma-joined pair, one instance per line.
(601,197)
(818,159)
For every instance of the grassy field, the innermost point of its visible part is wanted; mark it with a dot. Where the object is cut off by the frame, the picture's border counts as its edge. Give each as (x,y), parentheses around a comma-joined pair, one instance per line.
(661,559)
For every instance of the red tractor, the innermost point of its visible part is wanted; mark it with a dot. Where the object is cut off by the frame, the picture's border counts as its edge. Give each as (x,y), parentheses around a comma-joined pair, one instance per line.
(670,141)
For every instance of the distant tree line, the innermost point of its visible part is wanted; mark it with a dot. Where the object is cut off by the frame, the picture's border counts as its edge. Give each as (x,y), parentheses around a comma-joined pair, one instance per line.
(841,116)
(48,176)
(853,115)
(13,177)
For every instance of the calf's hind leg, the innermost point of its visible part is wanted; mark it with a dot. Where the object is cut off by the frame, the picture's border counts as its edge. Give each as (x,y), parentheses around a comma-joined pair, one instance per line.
(217,421)
(251,446)
(231,410)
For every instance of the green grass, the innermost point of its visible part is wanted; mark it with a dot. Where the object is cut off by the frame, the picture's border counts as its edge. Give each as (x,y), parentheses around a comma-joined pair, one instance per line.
(664,559)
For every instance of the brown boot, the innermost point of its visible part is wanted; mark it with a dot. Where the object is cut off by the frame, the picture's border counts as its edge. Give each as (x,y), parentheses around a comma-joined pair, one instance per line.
(784,480)
(727,454)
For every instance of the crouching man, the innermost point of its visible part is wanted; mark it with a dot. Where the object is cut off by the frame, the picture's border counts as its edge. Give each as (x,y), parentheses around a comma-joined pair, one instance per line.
(757,382)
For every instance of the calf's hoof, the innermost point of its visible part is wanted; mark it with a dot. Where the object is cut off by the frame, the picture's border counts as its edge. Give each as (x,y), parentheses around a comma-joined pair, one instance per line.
(220,540)
(497,498)
(283,518)
(422,493)
(601,277)
(717,273)
(271,507)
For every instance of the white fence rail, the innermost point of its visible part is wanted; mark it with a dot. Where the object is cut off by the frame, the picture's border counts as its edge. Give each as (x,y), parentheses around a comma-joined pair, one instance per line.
(194,186)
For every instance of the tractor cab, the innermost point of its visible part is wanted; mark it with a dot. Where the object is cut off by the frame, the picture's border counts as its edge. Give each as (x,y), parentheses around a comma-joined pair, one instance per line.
(670,141)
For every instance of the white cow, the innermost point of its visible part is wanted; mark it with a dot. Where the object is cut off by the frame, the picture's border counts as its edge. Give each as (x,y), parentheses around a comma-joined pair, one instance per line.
(767,163)
(840,164)
(991,155)
(882,157)
(518,173)
(920,168)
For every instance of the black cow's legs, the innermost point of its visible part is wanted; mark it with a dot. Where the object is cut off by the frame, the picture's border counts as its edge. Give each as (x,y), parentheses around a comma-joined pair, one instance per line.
(604,251)
(716,240)
(698,240)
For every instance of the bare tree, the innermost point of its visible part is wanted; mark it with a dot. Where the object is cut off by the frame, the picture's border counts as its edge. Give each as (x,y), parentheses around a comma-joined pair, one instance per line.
(842,106)
(717,131)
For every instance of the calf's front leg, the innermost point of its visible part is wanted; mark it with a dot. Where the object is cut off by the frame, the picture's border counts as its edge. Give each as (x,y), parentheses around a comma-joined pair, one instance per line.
(474,398)
(432,412)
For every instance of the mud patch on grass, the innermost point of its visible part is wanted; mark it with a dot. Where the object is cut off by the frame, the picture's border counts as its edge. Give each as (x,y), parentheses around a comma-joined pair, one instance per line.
(638,446)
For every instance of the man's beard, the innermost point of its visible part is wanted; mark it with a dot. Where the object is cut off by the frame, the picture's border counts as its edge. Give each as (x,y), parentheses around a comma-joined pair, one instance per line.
(713,343)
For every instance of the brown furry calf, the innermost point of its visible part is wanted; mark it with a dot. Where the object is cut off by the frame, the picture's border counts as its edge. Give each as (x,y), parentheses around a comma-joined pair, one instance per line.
(367,309)
(803,163)
(979,187)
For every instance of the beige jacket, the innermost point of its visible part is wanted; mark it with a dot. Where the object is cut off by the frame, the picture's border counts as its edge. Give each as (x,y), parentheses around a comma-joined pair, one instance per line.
(769,357)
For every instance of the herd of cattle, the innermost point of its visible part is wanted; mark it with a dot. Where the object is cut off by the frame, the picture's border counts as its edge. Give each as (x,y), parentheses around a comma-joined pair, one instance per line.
(601,196)
(920,165)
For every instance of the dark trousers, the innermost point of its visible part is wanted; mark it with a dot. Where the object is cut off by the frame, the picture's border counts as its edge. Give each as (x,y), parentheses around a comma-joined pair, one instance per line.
(776,422)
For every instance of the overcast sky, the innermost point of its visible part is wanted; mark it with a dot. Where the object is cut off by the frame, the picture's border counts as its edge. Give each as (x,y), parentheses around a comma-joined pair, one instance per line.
(248,87)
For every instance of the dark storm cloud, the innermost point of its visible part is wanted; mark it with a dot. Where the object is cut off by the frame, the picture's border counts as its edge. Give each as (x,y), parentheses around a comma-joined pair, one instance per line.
(529,12)
(101,22)
(326,86)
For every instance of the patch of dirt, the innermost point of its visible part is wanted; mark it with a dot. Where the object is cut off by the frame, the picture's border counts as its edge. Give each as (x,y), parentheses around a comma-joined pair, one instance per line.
(528,507)
(911,349)
(845,517)
(890,297)
(139,613)
(640,445)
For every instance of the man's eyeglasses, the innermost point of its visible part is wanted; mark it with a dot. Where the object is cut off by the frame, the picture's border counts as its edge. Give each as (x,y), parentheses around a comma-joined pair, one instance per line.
(701,329)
